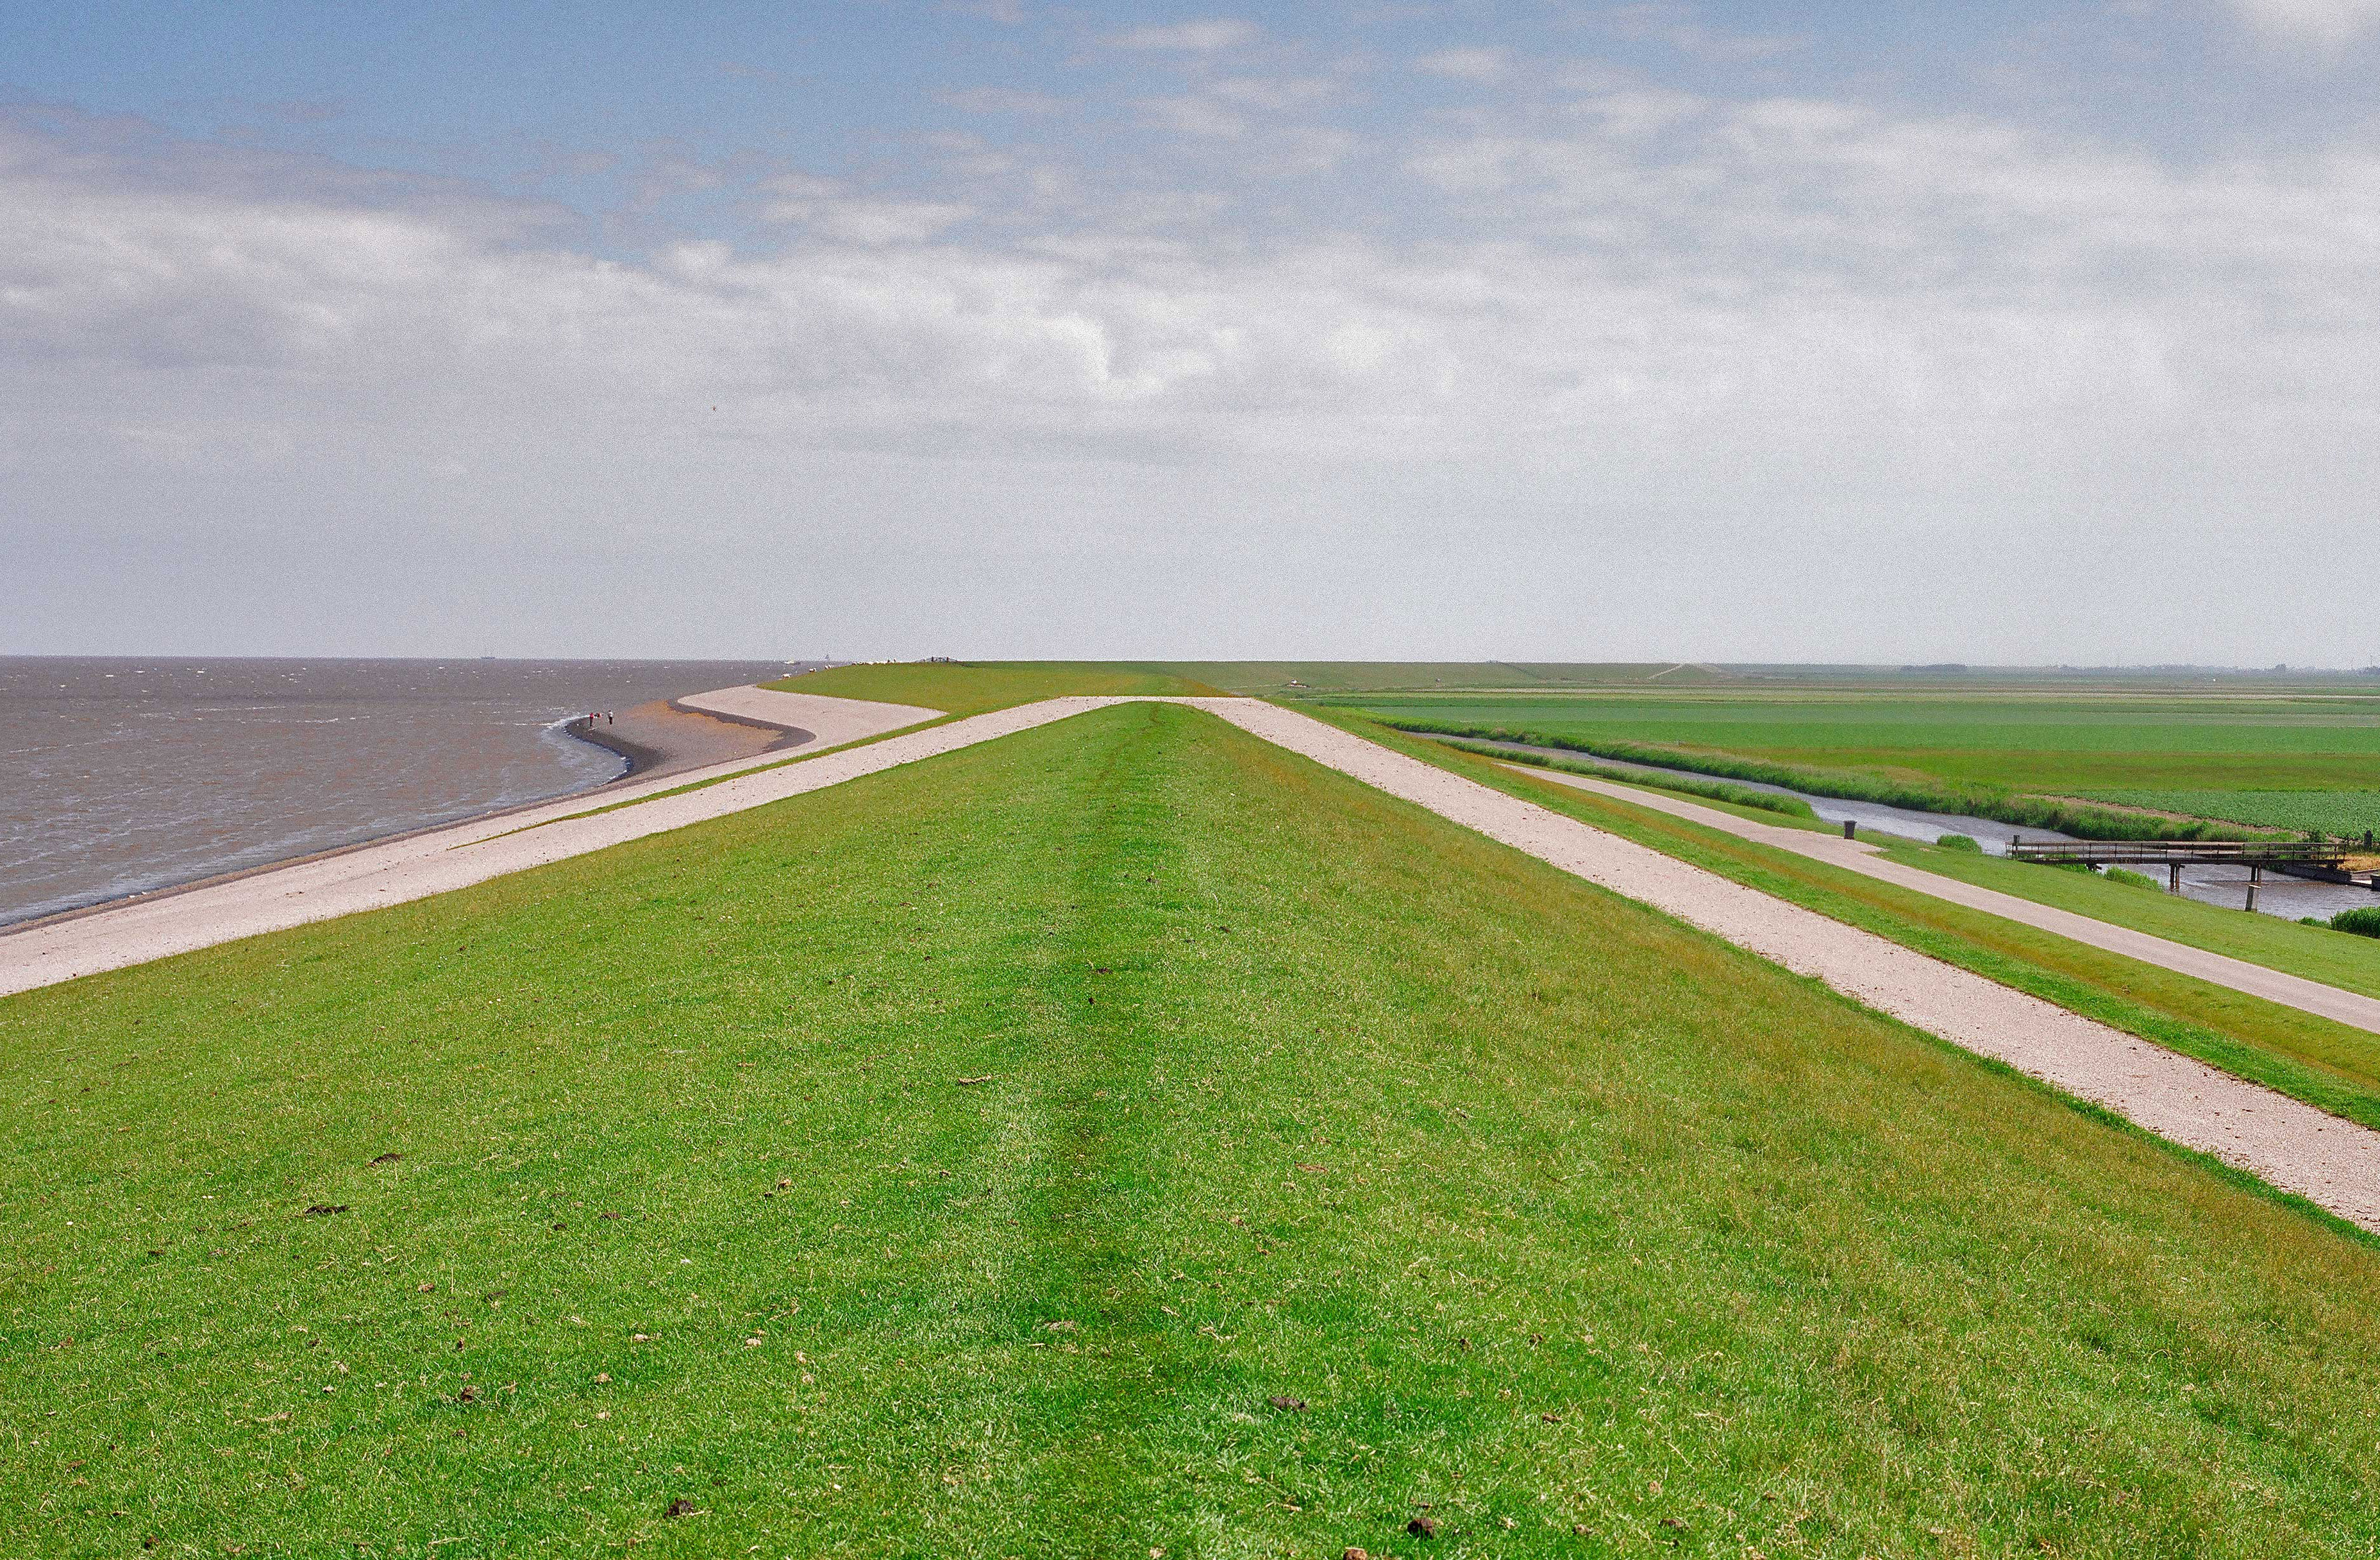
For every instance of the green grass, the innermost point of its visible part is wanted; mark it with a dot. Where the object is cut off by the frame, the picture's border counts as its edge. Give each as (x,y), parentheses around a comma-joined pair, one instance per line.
(973,688)
(1555,1215)
(2334,812)
(1739,798)
(2114,897)
(1293,678)
(1924,795)
(953,690)
(2299,761)
(2332,1066)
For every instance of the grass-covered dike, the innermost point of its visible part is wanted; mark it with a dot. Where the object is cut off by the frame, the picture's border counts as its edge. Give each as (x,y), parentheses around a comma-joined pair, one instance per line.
(1122,1137)
(2332,1066)
(972,688)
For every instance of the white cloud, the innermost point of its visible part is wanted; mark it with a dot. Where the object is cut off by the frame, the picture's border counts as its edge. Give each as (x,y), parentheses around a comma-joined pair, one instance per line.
(1196,113)
(1467,64)
(2329,24)
(1208,37)
(830,209)
(1276,94)
(1253,109)
(1853,329)
(1007,13)
(1789,262)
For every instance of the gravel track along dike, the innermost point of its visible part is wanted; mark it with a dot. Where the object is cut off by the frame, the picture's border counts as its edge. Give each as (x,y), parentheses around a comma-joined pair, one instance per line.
(2291,1145)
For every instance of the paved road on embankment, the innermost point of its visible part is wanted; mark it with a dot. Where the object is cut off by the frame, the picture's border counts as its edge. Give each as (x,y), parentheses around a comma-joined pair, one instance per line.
(1865,857)
(2291,1145)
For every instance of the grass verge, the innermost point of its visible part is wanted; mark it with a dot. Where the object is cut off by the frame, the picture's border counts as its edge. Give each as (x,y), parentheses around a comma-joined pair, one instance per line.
(1972,801)
(2315,953)
(2331,1065)
(1740,799)
(1122,1137)
(2142,904)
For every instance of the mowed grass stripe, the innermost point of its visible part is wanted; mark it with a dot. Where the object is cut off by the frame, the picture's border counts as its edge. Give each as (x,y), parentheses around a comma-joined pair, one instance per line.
(1552,1211)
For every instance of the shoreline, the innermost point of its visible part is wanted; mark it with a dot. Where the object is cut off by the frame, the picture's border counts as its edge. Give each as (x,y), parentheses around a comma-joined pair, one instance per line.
(657,755)
(438,861)
(640,757)
(668,735)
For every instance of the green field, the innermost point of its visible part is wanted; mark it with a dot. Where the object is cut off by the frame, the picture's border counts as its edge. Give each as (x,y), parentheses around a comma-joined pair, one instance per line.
(973,688)
(2336,812)
(2317,953)
(2299,761)
(963,1160)
(1268,678)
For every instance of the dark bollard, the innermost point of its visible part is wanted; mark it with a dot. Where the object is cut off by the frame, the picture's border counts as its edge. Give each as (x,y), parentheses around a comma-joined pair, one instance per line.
(1850,829)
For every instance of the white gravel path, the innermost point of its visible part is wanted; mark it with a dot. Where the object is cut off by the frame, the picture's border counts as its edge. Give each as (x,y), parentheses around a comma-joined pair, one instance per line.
(2293,1146)
(1862,857)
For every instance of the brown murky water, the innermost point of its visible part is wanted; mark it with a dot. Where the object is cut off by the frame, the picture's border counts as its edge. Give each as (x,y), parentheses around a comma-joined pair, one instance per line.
(122,776)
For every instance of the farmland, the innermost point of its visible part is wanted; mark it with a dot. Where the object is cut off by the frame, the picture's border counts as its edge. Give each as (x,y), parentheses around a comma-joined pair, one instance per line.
(2288,759)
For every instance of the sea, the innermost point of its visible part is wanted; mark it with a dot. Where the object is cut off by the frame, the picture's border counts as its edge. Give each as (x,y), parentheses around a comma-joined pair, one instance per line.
(123,776)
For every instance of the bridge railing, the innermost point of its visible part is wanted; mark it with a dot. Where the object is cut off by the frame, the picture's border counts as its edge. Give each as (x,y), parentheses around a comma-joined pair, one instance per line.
(2160,852)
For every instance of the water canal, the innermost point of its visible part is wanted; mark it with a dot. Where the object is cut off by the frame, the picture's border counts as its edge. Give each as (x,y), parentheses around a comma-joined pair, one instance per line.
(2287,897)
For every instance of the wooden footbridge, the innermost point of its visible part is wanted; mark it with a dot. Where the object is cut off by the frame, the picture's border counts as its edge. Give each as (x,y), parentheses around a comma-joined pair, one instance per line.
(2323,860)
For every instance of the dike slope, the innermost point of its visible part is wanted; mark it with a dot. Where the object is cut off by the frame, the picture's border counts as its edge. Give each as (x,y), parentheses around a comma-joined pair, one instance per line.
(2291,1145)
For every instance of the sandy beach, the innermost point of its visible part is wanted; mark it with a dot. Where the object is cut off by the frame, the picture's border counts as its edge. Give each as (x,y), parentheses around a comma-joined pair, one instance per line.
(664,737)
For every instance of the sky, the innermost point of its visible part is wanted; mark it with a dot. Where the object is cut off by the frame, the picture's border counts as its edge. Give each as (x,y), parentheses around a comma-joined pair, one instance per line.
(1996,333)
